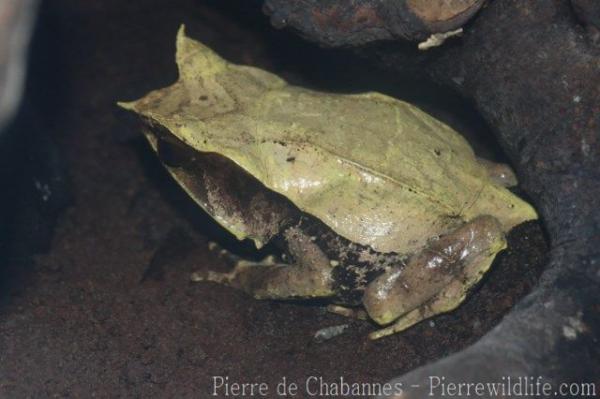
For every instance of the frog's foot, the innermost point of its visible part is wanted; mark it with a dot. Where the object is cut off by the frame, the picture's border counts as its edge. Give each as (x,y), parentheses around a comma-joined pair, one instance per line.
(234,259)
(231,258)
(437,279)
(408,320)
(308,277)
(240,266)
(359,314)
(500,173)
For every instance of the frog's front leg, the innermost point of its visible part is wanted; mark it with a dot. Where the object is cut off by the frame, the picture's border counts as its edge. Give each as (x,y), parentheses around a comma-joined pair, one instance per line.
(309,276)
(437,279)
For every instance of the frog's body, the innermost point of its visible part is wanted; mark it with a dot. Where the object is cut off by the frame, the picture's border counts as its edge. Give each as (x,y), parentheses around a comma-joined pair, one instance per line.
(369,194)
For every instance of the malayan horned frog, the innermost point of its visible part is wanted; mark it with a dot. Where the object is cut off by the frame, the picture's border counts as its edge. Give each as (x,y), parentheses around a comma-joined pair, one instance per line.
(375,204)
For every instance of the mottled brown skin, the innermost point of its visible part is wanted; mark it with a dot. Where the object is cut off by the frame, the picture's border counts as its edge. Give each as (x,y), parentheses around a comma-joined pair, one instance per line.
(394,288)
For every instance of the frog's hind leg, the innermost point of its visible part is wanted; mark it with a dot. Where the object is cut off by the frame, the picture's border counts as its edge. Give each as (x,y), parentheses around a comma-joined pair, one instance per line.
(435,280)
(309,276)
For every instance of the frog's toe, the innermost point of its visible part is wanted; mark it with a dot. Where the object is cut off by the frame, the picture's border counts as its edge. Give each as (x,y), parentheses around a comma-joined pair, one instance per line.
(223,253)
(209,275)
(408,320)
(269,260)
(348,312)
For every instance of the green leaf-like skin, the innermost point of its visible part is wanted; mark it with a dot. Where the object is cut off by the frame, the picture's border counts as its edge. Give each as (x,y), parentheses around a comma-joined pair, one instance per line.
(376,170)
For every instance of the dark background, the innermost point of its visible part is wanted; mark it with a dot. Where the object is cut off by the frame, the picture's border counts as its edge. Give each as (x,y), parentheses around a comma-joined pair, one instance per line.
(98,243)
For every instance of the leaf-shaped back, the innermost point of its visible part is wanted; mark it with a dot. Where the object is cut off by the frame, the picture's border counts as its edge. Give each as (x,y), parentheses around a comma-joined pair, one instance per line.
(377,170)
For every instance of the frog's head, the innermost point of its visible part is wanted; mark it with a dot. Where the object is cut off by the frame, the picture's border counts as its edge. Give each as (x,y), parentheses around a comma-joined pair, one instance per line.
(208,87)
(193,98)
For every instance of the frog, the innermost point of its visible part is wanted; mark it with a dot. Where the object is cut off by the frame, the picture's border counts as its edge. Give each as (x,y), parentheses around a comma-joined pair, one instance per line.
(377,207)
